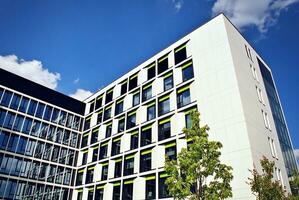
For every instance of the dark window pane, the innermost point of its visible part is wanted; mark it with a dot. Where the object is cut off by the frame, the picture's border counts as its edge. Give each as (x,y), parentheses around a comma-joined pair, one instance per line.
(151,111)
(15,101)
(163,64)
(123,88)
(151,71)
(146,93)
(32,107)
(168,83)
(40,110)
(145,161)
(6,98)
(133,82)
(187,73)
(129,165)
(134,140)
(131,120)
(136,99)
(48,113)
(116,192)
(164,105)
(127,191)
(24,104)
(117,168)
(163,190)
(183,97)
(119,107)
(164,131)
(109,96)
(150,189)
(146,136)
(180,54)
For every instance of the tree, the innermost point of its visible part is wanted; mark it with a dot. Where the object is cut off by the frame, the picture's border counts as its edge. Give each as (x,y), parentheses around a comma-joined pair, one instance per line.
(263,186)
(198,173)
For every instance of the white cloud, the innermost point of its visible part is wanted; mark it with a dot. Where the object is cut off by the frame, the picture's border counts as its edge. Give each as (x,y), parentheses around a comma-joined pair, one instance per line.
(76,81)
(178,4)
(81,94)
(32,70)
(259,13)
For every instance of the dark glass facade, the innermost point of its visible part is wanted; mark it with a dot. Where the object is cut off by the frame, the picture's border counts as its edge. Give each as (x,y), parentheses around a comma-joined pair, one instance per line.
(280,124)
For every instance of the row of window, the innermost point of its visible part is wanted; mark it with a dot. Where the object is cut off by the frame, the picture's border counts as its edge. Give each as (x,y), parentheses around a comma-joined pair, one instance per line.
(136,140)
(38,109)
(187,73)
(37,149)
(128,191)
(20,190)
(34,127)
(183,99)
(125,167)
(34,170)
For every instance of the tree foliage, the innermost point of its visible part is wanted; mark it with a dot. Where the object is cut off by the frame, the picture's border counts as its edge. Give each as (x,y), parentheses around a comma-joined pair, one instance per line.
(198,173)
(263,186)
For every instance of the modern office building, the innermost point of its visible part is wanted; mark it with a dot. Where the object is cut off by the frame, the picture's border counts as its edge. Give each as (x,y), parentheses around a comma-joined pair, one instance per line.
(113,145)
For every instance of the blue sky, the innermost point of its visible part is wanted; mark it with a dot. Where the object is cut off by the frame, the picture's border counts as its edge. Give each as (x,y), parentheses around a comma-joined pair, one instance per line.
(79,46)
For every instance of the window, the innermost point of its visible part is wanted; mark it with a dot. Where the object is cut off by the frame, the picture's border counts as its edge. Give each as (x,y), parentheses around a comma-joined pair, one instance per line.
(164,129)
(40,110)
(104,171)
(108,129)
(123,88)
(95,154)
(127,190)
(107,113)
(12,143)
(15,101)
(187,71)
(90,194)
(116,191)
(131,119)
(180,54)
(24,104)
(129,165)
(109,95)
(259,94)
(4,136)
(6,98)
(99,102)
(136,98)
(170,150)
(146,160)
(168,81)
(188,120)
(163,190)
(117,168)
(18,123)
(55,116)
(32,107)
(48,113)
(119,107)
(27,125)
(104,150)
(146,135)
(248,52)
(150,187)
(2,116)
(121,124)
(163,64)
(151,111)
(272,147)
(253,71)
(84,140)
(99,194)
(266,120)
(84,158)
(89,174)
(183,96)
(94,136)
(100,116)
(164,105)
(134,140)
(133,81)
(91,108)
(10,117)
(79,180)
(151,71)
(116,146)
(147,92)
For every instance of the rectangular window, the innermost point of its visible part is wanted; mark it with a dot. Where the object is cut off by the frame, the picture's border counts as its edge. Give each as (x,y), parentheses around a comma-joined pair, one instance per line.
(87,123)
(100,116)
(119,107)
(32,107)
(123,88)
(150,187)
(164,105)
(131,119)
(90,174)
(10,117)
(117,168)
(136,98)
(116,191)
(99,194)
(170,150)
(94,136)
(188,120)
(99,102)
(107,113)
(90,194)
(147,92)
(84,140)
(104,171)
(127,190)
(109,95)
(164,129)
(108,129)
(15,101)
(121,124)
(146,135)
(163,190)
(95,154)
(266,120)
(129,165)
(187,71)
(48,113)
(151,71)
(134,140)
(103,150)
(253,71)
(18,123)
(79,179)
(180,54)
(163,64)
(183,96)
(116,146)
(133,82)
(84,158)
(259,94)
(6,98)
(24,105)
(151,110)
(91,108)
(168,81)
(40,110)
(146,160)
